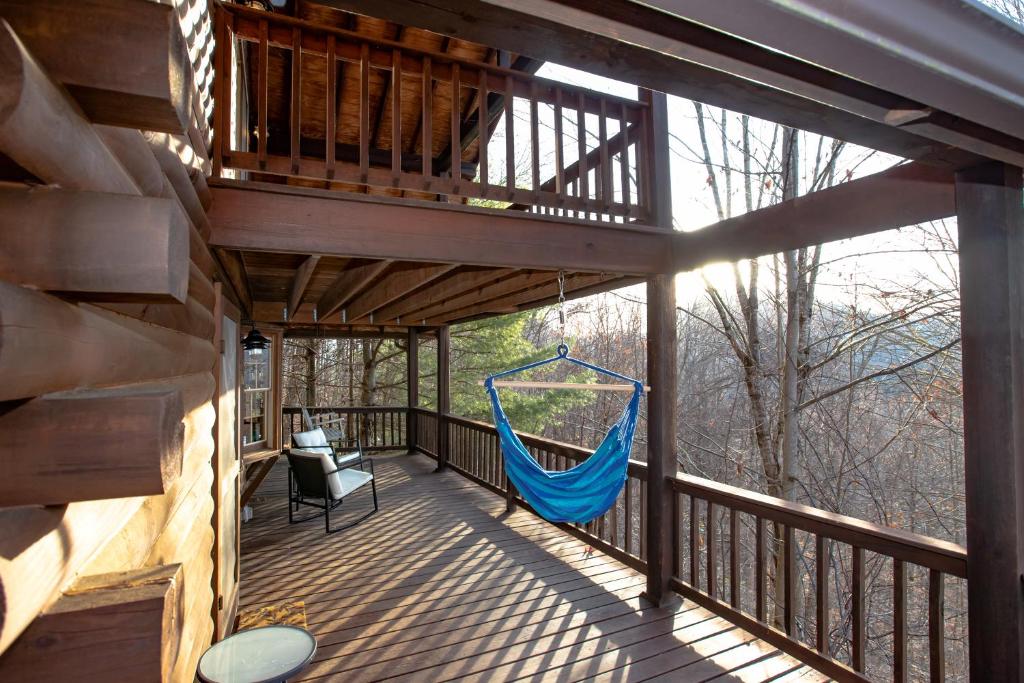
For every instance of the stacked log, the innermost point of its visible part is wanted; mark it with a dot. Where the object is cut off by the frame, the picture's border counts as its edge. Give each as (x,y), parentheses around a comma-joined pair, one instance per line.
(106,349)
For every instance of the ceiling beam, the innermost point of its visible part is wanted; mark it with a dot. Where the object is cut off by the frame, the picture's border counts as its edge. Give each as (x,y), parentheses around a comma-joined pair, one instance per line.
(349,283)
(234,268)
(507,286)
(265,217)
(300,283)
(522,300)
(902,47)
(392,288)
(593,42)
(440,292)
(904,195)
(155,93)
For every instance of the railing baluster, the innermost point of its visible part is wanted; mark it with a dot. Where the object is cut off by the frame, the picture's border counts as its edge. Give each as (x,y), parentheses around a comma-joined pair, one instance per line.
(332,103)
(627,526)
(624,166)
(221,94)
(857,611)
(535,141)
(296,108)
(581,142)
(694,543)
(261,94)
(823,560)
(559,149)
(789,589)
(396,117)
(759,572)
(734,557)
(711,534)
(426,128)
(643,519)
(456,117)
(483,115)
(936,632)
(899,621)
(510,145)
(364,112)
(605,174)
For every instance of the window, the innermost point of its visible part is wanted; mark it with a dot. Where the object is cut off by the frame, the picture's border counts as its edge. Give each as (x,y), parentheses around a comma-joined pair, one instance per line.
(256,396)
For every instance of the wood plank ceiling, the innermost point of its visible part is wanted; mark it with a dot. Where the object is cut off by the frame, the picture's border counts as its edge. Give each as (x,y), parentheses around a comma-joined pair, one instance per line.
(359,295)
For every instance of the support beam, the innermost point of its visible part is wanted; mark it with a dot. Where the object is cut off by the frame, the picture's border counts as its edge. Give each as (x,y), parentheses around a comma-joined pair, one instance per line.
(91,444)
(119,626)
(412,368)
(990,220)
(512,284)
(300,283)
(904,195)
(444,354)
(393,288)
(273,218)
(94,246)
(588,36)
(661,434)
(347,285)
(73,41)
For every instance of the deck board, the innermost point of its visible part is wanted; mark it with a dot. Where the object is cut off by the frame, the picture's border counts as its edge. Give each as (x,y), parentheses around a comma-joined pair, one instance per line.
(442,585)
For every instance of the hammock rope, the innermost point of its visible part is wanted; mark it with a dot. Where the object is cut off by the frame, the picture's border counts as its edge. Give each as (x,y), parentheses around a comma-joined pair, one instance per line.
(589,489)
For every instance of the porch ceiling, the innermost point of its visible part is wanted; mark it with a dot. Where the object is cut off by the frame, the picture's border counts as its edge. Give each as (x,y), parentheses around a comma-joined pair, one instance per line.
(359,294)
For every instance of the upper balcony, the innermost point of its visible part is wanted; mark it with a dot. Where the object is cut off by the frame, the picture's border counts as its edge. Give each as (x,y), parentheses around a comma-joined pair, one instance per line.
(333,101)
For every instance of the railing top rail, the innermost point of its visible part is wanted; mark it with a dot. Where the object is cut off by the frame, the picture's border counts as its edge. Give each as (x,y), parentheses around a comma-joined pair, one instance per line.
(925,551)
(341,409)
(436,57)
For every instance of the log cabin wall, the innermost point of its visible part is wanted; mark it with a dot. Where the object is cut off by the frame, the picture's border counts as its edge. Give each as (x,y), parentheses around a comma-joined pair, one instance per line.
(107,345)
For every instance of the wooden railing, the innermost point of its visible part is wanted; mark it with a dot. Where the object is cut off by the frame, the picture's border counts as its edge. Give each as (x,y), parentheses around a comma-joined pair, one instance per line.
(716,523)
(592,146)
(379,427)
(724,542)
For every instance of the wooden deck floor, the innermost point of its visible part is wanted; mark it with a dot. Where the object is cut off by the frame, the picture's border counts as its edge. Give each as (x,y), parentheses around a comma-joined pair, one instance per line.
(441,584)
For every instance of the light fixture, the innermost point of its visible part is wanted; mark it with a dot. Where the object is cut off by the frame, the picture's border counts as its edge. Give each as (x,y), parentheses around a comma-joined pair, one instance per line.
(254,341)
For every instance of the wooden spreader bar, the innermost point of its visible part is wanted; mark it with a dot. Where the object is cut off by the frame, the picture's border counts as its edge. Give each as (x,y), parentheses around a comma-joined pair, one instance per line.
(525,384)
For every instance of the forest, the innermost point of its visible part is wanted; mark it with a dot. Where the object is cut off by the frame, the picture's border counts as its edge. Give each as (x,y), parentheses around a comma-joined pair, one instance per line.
(828,376)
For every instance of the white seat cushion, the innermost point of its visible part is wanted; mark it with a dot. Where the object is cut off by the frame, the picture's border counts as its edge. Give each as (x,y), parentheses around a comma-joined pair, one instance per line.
(350,480)
(314,437)
(341,483)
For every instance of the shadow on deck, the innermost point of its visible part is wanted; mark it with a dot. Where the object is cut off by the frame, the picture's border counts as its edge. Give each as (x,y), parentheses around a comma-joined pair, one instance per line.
(442,584)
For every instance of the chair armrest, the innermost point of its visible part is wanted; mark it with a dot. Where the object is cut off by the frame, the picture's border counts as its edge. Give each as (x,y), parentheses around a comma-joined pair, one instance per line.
(348,466)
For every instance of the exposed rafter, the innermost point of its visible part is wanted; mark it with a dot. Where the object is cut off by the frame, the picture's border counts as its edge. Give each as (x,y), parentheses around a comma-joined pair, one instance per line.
(299,284)
(439,292)
(348,284)
(392,288)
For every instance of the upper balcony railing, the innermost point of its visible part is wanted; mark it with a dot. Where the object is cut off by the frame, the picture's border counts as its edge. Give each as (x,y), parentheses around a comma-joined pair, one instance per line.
(566,151)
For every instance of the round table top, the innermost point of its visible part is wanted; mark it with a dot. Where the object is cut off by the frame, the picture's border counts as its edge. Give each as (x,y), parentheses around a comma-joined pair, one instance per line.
(258,655)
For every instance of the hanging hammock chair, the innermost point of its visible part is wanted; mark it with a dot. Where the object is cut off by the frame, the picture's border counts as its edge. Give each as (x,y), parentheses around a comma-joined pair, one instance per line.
(589,489)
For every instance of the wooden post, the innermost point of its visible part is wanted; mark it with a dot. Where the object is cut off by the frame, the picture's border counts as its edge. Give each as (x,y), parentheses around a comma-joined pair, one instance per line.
(444,352)
(412,355)
(991,226)
(661,372)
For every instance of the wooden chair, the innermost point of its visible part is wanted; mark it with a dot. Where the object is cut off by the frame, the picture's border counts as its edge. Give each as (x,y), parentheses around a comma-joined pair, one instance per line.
(315,476)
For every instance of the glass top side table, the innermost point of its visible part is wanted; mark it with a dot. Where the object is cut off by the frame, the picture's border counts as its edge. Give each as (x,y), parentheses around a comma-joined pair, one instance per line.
(267,654)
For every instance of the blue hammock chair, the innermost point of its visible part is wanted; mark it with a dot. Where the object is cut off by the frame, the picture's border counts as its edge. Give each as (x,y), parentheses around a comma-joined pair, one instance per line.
(589,489)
